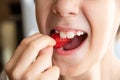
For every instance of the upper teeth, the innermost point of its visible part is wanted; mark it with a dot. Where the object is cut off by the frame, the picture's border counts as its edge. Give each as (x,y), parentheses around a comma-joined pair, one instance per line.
(62,34)
(56,31)
(79,33)
(69,34)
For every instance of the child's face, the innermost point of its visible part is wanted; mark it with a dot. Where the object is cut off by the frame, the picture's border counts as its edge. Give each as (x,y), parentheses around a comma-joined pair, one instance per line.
(95,17)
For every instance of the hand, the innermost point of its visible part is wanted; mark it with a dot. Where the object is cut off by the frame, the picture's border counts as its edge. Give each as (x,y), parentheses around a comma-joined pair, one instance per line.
(32,60)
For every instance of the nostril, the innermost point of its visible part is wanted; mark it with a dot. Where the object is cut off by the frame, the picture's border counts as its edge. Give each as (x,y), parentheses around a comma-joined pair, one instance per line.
(71,13)
(55,11)
(63,13)
(64,10)
(59,13)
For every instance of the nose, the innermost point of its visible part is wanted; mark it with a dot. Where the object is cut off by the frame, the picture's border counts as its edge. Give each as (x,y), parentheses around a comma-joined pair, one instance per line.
(66,8)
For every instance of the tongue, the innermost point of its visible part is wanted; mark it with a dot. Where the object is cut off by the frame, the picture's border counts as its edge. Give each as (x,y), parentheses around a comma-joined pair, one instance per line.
(75,42)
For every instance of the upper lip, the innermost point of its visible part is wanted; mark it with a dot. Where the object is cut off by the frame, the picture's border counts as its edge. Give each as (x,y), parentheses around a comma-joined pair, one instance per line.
(67,28)
(65,24)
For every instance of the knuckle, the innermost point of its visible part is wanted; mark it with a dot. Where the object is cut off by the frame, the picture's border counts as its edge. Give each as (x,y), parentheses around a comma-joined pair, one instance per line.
(27,43)
(7,69)
(15,75)
(24,42)
(27,77)
(32,45)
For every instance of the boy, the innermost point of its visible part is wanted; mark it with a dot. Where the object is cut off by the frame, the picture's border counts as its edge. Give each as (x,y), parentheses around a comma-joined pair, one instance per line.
(86,29)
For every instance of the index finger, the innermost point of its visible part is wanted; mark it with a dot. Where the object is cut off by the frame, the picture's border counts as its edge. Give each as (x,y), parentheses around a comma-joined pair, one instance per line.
(31,52)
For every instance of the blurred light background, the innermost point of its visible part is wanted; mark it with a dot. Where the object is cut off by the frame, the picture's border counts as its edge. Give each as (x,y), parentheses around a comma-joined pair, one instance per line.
(17,20)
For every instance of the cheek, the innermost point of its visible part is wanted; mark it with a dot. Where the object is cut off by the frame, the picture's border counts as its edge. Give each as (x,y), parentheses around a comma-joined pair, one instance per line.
(101,19)
(42,12)
(40,22)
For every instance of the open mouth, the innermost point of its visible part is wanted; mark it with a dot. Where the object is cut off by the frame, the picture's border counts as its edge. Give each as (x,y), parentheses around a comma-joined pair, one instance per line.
(68,40)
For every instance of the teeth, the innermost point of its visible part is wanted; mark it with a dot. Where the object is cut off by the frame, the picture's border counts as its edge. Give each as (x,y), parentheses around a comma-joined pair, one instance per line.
(82,33)
(70,35)
(79,33)
(62,35)
(56,31)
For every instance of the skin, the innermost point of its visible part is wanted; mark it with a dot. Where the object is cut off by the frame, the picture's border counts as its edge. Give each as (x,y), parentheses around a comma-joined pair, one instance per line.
(95,61)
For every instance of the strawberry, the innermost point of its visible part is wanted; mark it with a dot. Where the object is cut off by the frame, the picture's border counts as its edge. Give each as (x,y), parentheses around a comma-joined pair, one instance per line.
(60,42)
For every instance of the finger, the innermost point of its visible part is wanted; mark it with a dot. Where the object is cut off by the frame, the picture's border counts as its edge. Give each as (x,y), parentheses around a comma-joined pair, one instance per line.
(43,62)
(24,44)
(52,73)
(31,52)
(18,51)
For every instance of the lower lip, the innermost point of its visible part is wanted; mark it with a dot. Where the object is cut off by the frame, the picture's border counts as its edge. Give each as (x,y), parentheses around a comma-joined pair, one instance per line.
(62,52)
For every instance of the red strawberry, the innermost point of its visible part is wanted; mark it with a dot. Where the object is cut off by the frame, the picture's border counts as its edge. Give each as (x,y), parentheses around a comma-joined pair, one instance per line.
(60,42)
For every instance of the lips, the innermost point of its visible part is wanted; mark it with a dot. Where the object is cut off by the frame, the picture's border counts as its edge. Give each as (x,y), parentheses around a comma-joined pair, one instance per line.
(76,39)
